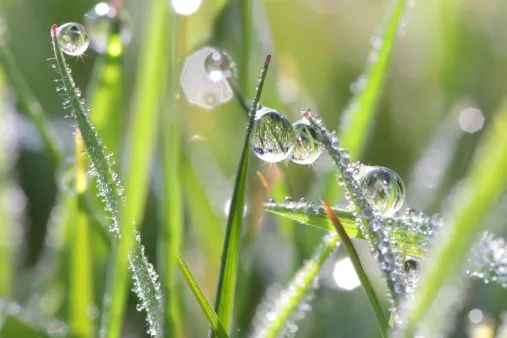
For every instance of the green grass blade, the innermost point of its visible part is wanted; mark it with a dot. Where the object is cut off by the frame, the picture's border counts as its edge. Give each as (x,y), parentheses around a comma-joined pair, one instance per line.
(29,103)
(141,140)
(358,267)
(145,278)
(80,281)
(106,91)
(170,233)
(360,111)
(228,271)
(216,326)
(483,185)
(314,216)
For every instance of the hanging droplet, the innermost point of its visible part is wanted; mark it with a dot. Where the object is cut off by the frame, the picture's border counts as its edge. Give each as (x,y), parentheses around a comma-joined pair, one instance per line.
(201,88)
(273,137)
(98,23)
(219,65)
(308,147)
(382,188)
(410,265)
(72,38)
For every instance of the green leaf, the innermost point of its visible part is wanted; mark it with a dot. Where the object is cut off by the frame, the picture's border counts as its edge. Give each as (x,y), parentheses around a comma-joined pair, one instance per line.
(315,216)
(358,267)
(360,111)
(483,185)
(216,325)
(230,253)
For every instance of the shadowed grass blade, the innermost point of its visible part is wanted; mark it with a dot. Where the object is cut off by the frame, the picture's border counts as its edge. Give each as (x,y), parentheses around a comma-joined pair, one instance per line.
(29,103)
(358,267)
(483,185)
(228,271)
(360,111)
(216,325)
(80,281)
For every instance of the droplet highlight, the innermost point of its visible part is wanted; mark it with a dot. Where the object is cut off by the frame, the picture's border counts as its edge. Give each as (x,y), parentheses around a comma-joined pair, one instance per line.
(307,148)
(273,137)
(219,65)
(72,38)
(382,188)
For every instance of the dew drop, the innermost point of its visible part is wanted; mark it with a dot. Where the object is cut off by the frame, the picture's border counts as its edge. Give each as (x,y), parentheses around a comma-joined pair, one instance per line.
(382,188)
(98,22)
(72,38)
(273,137)
(308,148)
(410,265)
(219,65)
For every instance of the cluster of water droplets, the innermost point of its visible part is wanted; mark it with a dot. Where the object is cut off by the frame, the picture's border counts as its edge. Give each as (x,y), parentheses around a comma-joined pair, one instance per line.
(98,21)
(488,259)
(369,220)
(147,288)
(205,77)
(274,139)
(72,38)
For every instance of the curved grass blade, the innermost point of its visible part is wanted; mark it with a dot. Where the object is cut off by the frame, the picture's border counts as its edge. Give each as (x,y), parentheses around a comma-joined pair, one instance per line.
(358,267)
(229,265)
(80,281)
(143,274)
(360,111)
(289,299)
(106,90)
(216,326)
(483,185)
(310,214)
(29,103)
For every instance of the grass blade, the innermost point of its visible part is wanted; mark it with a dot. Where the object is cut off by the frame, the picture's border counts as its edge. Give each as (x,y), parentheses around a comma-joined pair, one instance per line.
(483,185)
(143,274)
(216,326)
(312,215)
(80,281)
(356,262)
(289,299)
(29,103)
(106,98)
(228,271)
(359,113)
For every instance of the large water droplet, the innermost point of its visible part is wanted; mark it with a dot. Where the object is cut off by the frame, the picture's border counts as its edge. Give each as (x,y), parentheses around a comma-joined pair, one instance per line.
(382,188)
(72,38)
(197,84)
(308,147)
(219,65)
(98,22)
(273,137)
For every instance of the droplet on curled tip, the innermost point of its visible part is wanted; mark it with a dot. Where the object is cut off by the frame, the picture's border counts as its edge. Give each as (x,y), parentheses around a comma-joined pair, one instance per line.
(382,188)
(273,137)
(219,65)
(308,147)
(72,38)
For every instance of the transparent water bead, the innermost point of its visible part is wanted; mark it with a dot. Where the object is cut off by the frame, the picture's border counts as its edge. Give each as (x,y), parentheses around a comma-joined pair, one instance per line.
(273,137)
(197,85)
(308,148)
(98,22)
(382,188)
(72,38)
(219,65)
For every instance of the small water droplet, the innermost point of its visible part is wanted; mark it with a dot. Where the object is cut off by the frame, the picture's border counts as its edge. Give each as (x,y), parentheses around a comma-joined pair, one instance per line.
(219,65)
(308,148)
(273,137)
(410,265)
(72,38)
(382,188)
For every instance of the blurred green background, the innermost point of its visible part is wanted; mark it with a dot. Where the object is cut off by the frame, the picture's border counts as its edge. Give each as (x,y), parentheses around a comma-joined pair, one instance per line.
(449,65)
